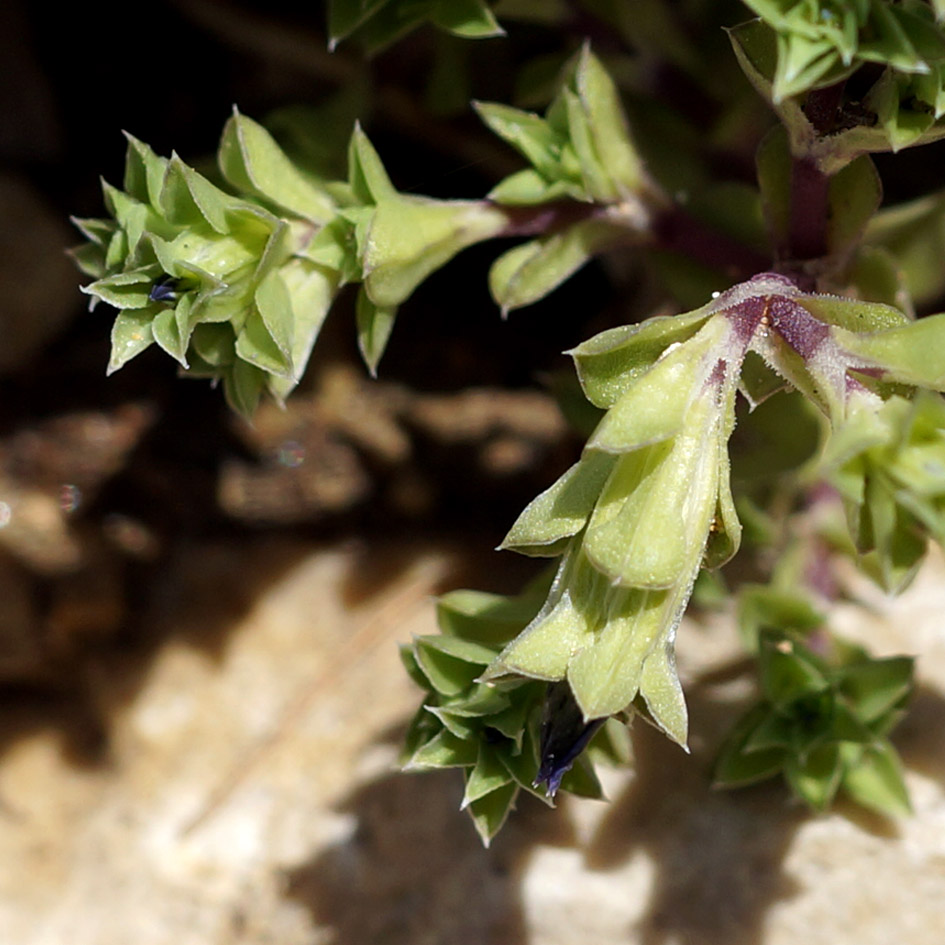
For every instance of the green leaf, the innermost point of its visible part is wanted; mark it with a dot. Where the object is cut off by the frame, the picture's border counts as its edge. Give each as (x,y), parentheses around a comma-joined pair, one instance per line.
(528,133)
(252,162)
(612,145)
(189,199)
(489,813)
(528,187)
(774,168)
(256,346)
(243,384)
(876,781)
(610,362)
(761,607)
(131,334)
(774,731)
(445,750)
(144,172)
(488,775)
(914,233)
(529,272)
(909,354)
(472,19)
(125,290)
(167,334)
(816,778)
(734,766)
(657,403)
(489,619)
(345,16)
(788,673)
(561,511)
(449,673)
(132,216)
(875,686)
(311,290)
(854,196)
(366,174)
(374,323)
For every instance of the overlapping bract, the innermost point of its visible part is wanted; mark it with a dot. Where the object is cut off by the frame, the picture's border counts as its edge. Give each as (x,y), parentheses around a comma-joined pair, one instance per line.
(491,731)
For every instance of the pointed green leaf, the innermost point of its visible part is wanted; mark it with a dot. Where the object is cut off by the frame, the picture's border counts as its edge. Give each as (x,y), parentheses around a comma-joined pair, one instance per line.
(256,346)
(243,385)
(663,693)
(854,196)
(131,334)
(874,686)
(788,673)
(366,173)
(167,335)
(144,172)
(527,273)
(489,813)
(560,512)
(445,751)
(735,767)
(253,163)
(375,323)
(345,16)
(876,781)
(612,145)
(610,362)
(817,778)
(125,290)
(488,775)
(470,18)
(449,673)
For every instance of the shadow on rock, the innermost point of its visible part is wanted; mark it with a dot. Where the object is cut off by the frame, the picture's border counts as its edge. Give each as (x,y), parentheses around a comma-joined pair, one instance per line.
(415,871)
(717,855)
(920,736)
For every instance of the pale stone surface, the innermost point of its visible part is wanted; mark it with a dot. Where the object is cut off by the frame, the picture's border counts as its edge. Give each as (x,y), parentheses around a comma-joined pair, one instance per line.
(248,795)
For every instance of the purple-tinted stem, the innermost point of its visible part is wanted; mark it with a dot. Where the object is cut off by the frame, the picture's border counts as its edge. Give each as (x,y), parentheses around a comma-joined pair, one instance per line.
(810,187)
(680,232)
(671,229)
(547,218)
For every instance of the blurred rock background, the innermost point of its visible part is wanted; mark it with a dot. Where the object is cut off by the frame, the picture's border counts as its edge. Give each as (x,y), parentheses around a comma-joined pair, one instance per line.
(200,695)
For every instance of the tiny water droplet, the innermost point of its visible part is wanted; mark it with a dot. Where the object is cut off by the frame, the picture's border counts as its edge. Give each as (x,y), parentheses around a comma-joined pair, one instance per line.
(291,454)
(70,498)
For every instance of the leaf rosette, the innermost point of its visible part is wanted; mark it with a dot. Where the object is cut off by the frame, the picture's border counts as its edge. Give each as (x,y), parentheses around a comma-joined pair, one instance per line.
(823,725)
